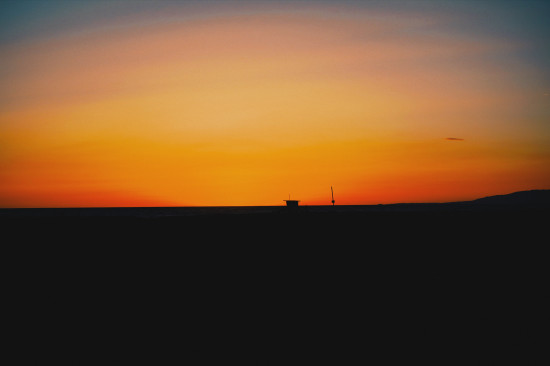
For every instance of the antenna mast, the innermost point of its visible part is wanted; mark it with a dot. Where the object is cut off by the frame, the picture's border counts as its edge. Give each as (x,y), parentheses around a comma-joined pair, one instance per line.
(332,192)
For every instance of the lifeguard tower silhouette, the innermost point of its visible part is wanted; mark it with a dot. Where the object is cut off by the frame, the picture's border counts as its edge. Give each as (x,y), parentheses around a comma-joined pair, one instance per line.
(291,203)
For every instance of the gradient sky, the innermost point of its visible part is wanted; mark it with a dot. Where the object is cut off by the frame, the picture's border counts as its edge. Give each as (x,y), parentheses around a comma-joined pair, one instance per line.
(180,103)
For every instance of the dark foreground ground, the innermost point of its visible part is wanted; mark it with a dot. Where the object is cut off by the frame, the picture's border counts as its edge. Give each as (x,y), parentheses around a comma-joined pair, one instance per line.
(429,284)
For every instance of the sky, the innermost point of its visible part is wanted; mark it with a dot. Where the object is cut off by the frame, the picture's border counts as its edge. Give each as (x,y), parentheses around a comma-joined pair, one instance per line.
(220,103)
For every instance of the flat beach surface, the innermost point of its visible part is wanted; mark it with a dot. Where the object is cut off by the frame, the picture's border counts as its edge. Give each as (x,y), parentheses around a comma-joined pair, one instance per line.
(464,223)
(458,283)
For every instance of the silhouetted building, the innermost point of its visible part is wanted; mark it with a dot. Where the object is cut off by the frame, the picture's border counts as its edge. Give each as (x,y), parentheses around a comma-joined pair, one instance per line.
(291,203)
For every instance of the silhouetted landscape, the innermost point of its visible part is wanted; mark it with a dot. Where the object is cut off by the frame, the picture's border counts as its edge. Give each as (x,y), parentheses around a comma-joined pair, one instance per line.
(461,282)
(525,200)
(518,218)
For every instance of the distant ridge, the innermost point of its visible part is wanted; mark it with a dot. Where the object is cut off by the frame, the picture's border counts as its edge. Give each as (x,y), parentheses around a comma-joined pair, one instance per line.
(534,197)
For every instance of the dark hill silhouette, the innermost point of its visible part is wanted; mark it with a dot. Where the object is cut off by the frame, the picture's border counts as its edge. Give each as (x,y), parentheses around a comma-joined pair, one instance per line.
(533,197)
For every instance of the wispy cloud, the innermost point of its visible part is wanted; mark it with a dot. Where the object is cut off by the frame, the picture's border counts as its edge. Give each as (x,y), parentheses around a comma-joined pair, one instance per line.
(453,139)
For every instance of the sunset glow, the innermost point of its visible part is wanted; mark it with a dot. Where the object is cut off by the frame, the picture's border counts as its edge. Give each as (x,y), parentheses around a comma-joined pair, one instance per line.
(221,103)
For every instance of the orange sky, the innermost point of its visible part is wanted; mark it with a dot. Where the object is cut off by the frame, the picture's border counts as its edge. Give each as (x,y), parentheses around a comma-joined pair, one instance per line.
(245,108)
